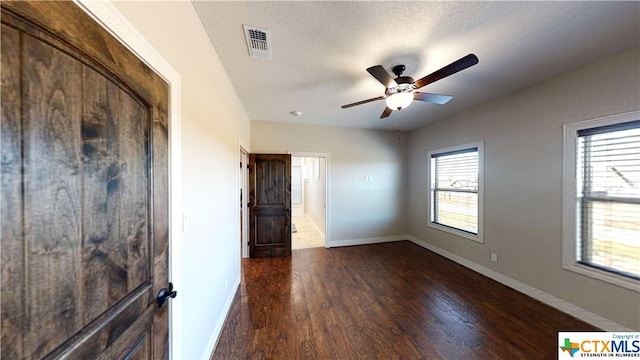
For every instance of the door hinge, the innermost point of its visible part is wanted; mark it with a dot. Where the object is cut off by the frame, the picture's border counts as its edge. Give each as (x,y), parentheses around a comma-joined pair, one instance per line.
(240,164)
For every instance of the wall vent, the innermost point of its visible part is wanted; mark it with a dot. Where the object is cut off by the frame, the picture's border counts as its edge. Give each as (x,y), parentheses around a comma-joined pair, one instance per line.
(258,42)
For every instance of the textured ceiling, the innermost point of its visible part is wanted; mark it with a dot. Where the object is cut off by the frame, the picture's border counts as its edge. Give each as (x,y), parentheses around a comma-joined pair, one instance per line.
(321,51)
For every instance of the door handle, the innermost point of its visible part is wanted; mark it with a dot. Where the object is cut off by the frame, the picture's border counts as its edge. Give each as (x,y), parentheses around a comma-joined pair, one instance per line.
(165,294)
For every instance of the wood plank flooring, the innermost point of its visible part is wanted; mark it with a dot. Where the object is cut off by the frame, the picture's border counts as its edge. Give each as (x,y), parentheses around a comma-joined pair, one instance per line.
(383,301)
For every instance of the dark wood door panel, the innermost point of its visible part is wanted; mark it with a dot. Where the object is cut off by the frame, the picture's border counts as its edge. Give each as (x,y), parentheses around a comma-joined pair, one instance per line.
(160,227)
(84,191)
(114,333)
(115,171)
(86,195)
(272,173)
(269,205)
(67,27)
(273,227)
(52,103)
(12,260)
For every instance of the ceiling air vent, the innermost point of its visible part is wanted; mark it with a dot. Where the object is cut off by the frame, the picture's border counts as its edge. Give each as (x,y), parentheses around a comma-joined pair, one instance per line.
(258,42)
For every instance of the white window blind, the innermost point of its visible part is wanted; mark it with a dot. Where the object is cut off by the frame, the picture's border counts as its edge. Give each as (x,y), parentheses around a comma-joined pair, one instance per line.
(454,189)
(608,198)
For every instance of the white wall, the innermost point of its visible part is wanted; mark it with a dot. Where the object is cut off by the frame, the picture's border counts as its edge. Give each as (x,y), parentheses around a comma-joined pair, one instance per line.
(314,197)
(358,210)
(297,185)
(522,134)
(213,121)
(523,180)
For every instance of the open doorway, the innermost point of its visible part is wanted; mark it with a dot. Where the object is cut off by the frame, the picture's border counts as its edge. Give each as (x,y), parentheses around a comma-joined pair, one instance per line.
(310,213)
(308,200)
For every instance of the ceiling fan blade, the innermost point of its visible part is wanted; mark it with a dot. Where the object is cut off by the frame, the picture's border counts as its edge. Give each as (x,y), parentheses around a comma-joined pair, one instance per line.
(382,75)
(450,69)
(432,98)
(386,112)
(363,102)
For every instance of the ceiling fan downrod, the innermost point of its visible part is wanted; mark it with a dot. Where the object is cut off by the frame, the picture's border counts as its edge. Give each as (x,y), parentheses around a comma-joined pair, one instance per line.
(398,70)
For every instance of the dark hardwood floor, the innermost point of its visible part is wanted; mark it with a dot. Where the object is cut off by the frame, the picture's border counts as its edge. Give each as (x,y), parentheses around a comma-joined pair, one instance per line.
(383,301)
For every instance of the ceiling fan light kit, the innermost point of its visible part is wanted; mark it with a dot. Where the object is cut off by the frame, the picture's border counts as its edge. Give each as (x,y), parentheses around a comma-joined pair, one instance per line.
(399,100)
(401,91)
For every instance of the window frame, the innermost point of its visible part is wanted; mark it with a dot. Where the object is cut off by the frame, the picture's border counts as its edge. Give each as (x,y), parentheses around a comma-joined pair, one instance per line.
(452,230)
(570,201)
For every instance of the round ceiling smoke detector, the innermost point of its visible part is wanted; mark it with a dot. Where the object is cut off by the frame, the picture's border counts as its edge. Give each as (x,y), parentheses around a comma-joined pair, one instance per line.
(296,113)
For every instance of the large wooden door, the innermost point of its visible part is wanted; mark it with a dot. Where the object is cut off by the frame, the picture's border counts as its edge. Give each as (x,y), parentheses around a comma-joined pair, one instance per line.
(84,191)
(269,205)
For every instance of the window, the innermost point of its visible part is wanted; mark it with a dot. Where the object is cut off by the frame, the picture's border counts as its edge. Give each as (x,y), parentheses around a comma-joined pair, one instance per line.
(455,196)
(312,168)
(602,197)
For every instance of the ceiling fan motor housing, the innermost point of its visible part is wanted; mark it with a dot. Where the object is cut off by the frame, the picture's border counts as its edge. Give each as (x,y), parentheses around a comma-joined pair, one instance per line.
(404,80)
(400,80)
(405,84)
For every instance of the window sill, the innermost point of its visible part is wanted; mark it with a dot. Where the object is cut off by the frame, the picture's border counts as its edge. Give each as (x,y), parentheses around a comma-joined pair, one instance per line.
(464,234)
(605,276)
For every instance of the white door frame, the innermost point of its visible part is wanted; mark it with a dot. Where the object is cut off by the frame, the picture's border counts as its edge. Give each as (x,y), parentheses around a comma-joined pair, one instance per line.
(327,206)
(244,184)
(115,23)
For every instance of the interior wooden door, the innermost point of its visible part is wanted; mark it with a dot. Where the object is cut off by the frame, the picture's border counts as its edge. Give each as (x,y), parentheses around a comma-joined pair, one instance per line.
(84,196)
(269,205)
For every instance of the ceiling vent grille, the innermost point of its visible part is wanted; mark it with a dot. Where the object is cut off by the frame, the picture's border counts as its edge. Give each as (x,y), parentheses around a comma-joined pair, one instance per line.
(258,42)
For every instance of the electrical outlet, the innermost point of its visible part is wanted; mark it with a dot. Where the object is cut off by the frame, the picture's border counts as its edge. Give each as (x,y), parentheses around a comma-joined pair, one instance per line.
(494,257)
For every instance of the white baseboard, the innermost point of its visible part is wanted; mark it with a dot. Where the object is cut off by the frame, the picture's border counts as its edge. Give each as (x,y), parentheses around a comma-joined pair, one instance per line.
(364,241)
(215,335)
(562,305)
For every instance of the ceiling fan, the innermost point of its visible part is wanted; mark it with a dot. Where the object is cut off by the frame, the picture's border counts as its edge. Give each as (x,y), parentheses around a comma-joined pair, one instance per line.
(401,91)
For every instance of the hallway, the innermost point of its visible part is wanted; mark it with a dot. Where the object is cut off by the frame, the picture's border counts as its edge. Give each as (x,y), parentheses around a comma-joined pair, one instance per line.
(306,234)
